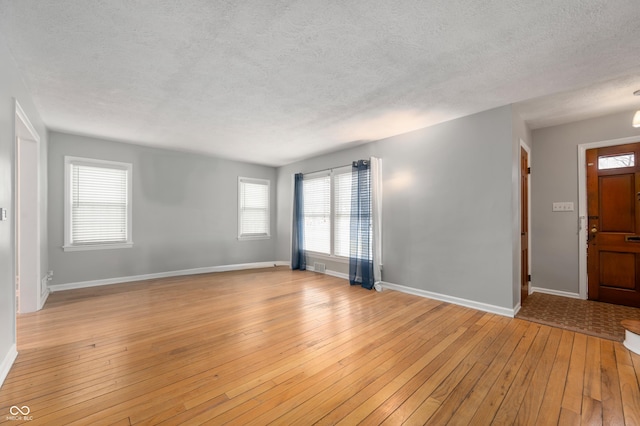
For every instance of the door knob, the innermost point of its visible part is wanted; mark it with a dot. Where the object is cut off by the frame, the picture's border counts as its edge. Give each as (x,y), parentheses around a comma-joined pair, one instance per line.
(594,230)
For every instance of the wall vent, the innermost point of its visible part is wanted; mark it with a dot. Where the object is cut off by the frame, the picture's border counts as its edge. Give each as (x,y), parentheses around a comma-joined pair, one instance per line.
(319,267)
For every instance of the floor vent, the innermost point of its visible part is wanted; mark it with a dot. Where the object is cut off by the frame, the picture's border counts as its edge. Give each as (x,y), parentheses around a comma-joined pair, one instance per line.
(319,267)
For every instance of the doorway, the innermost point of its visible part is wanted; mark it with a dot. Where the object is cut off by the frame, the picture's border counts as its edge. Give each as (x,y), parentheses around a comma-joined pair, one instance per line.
(30,288)
(524,223)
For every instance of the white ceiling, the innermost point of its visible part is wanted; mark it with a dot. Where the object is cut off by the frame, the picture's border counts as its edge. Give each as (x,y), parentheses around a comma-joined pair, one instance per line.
(273,82)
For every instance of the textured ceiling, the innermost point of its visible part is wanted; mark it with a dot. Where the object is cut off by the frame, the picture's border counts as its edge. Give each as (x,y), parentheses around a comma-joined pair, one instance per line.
(272,82)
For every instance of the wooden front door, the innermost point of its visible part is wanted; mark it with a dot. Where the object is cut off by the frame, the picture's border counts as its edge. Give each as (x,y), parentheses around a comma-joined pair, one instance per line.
(613,198)
(524,224)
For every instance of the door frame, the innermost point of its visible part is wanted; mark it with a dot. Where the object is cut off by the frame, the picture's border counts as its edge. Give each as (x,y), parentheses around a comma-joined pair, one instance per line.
(582,205)
(526,147)
(24,130)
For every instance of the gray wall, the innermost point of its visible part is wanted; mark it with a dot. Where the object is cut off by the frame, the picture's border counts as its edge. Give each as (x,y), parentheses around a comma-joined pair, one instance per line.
(184,212)
(555,178)
(12,87)
(447,206)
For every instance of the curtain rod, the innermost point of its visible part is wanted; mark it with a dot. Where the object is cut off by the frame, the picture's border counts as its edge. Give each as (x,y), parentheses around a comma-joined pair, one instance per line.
(329,169)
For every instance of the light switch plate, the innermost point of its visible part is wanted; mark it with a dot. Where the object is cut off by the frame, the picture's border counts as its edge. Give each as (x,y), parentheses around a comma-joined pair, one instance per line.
(564,206)
(3,214)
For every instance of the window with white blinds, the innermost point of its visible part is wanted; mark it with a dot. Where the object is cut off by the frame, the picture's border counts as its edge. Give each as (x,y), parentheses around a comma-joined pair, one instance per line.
(342,213)
(98,204)
(317,213)
(327,212)
(253,208)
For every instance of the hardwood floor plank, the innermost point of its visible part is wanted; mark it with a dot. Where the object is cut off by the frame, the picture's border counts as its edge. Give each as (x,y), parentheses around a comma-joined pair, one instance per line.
(450,393)
(474,399)
(373,380)
(549,412)
(425,365)
(276,346)
(591,411)
(340,364)
(628,386)
(572,397)
(446,362)
(528,411)
(592,374)
(314,408)
(494,398)
(512,401)
(612,413)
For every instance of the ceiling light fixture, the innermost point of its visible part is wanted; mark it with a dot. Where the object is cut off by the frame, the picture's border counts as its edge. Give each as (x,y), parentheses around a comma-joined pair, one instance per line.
(636,117)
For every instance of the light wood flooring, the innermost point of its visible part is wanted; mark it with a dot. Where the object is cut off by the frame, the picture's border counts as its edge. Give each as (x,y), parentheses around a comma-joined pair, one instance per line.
(298,348)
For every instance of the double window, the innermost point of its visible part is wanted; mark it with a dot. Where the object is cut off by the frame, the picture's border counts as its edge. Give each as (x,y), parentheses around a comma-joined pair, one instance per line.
(253,208)
(97,204)
(327,212)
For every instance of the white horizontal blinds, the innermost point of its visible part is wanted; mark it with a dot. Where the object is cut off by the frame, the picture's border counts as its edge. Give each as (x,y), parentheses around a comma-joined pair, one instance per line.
(254,208)
(342,213)
(317,214)
(98,204)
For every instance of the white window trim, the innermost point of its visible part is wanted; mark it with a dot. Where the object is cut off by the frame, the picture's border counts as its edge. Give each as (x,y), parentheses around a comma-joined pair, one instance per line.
(249,237)
(68,244)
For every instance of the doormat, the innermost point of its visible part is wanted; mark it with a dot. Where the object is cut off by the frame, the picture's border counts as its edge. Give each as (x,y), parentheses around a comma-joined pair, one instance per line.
(583,316)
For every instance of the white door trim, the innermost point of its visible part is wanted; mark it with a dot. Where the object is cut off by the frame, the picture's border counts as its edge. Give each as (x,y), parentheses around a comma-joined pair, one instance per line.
(582,204)
(526,147)
(24,130)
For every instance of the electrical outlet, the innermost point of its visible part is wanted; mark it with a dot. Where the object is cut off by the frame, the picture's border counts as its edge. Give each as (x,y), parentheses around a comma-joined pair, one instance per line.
(3,214)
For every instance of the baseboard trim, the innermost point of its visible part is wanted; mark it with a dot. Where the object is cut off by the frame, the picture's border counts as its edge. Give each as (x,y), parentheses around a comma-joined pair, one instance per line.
(555,292)
(337,274)
(516,309)
(194,271)
(7,363)
(44,298)
(451,299)
(330,272)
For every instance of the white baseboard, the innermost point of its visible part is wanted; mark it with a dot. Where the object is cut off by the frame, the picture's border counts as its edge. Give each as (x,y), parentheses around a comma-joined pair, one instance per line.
(330,272)
(205,270)
(516,309)
(452,299)
(337,274)
(7,363)
(44,298)
(555,292)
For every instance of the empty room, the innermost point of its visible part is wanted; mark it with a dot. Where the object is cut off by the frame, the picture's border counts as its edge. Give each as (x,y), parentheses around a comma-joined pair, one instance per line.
(307,212)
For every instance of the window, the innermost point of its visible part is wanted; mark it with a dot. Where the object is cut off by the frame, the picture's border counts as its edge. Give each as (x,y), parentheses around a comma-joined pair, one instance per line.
(327,212)
(253,208)
(97,204)
(317,214)
(616,161)
(342,213)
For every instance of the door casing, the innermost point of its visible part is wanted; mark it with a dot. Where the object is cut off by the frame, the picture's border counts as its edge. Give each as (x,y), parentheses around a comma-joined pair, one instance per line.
(528,151)
(25,131)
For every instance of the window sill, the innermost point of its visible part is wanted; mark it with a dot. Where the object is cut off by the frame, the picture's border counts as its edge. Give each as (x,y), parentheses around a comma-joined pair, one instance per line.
(104,246)
(253,237)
